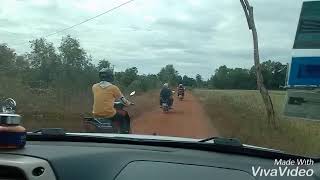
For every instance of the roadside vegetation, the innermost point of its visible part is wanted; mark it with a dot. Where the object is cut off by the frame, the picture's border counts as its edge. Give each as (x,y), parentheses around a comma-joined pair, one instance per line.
(52,85)
(241,114)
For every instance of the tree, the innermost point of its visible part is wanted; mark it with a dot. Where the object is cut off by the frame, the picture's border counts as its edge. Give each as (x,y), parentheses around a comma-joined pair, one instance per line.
(199,81)
(103,64)
(72,54)
(187,81)
(44,60)
(21,63)
(279,75)
(129,75)
(274,74)
(169,74)
(148,82)
(22,68)
(248,10)
(7,57)
(240,79)
(221,78)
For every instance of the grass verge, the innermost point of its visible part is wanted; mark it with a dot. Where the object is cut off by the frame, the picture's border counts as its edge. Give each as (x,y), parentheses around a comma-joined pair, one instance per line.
(241,114)
(65,109)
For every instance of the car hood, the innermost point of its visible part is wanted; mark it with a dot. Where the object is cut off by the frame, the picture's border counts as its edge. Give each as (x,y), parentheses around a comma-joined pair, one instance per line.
(156,137)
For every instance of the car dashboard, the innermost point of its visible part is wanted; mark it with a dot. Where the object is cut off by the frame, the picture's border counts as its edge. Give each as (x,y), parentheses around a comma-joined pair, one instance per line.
(110,161)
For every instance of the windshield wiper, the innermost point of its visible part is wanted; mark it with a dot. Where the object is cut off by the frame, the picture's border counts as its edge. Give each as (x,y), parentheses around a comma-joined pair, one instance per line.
(223,141)
(51,131)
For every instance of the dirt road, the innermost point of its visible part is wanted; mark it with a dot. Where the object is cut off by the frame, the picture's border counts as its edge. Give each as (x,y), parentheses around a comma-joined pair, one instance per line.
(186,119)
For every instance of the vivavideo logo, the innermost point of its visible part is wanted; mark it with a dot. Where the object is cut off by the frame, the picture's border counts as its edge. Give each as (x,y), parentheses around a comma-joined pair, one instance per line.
(290,168)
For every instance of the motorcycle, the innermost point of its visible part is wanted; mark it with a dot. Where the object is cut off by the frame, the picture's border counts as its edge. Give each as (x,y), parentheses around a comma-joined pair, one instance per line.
(165,104)
(105,125)
(180,97)
(181,94)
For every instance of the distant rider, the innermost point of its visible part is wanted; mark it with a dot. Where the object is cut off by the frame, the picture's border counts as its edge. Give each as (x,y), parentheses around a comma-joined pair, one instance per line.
(166,95)
(104,96)
(181,90)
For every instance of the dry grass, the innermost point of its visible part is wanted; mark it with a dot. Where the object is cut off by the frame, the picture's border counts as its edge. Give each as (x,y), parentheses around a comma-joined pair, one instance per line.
(241,114)
(70,116)
(61,108)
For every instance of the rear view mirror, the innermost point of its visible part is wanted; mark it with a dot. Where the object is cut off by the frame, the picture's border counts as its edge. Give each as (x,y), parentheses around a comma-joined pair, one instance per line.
(132,93)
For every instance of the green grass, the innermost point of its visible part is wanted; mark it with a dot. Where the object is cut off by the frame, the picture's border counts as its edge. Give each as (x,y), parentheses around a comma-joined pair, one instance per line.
(241,114)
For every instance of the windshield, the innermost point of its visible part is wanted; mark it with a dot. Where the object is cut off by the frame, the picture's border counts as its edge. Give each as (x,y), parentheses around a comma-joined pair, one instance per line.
(176,68)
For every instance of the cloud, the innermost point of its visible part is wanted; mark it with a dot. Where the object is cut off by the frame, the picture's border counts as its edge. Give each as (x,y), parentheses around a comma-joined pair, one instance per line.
(196,36)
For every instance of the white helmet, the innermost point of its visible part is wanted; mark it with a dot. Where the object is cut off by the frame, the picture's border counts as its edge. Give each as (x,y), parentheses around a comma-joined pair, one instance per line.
(165,85)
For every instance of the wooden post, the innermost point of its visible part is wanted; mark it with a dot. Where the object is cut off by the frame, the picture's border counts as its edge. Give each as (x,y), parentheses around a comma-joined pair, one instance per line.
(248,10)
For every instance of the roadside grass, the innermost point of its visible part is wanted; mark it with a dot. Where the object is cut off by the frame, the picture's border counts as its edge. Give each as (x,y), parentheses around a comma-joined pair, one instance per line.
(62,108)
(241,114)
(72,111)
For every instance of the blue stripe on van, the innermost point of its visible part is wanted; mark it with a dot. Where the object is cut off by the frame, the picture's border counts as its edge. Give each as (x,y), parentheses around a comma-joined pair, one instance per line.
(304,71)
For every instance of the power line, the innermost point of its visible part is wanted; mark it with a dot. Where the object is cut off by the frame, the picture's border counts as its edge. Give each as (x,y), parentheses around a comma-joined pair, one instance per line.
(82,22)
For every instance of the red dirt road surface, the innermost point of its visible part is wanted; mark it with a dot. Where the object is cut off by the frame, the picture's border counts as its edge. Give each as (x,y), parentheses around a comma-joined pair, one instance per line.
(186,119)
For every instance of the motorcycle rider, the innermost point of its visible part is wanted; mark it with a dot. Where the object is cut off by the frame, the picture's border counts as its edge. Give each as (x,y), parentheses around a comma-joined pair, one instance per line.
(104,96)
(181,90)
(166,95)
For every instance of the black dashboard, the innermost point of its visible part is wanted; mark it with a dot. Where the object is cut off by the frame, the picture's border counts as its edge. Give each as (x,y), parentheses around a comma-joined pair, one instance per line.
(110,161)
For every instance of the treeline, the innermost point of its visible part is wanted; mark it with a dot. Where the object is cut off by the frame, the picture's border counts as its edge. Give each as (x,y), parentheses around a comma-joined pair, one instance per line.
(274,75)
(69,68)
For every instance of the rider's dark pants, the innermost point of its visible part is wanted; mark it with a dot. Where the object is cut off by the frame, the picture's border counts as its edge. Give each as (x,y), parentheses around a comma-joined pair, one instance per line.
(170,101)
(124,119)
(182,93)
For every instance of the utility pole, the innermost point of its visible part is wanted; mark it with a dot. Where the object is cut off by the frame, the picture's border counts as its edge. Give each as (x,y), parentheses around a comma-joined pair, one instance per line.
(248,10)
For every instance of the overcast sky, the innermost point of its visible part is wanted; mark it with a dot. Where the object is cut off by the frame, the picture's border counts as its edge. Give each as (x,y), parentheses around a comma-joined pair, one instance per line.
(197,36)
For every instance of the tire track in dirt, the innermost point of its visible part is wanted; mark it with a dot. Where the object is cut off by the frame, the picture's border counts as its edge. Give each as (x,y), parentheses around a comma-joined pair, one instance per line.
(186,119)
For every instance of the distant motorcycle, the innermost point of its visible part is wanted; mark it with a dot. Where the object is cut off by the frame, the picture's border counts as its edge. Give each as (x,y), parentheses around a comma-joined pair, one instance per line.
(165,105)
(181,94)
(180,97)
(105,125)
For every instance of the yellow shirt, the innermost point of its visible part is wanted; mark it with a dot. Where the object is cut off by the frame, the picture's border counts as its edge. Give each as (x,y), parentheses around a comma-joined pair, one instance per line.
(104,99)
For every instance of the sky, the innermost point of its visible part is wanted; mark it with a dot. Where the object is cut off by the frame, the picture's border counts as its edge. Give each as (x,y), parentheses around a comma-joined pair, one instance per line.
(196,36)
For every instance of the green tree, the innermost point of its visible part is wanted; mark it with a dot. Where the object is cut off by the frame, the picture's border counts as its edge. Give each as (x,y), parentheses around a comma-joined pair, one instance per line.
(240,79)
(221,78)
(21,63)
(149,82)
(187,81)
(169,74)
(273,72)
(7,58)
(104,64)
(72,54)
(199,80)
(44,60)
(129,75)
